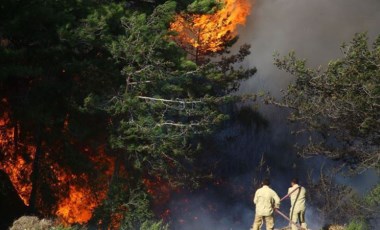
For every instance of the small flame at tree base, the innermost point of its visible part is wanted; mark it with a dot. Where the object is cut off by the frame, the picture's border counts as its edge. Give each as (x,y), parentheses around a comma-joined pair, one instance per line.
(84,195)
(78,206)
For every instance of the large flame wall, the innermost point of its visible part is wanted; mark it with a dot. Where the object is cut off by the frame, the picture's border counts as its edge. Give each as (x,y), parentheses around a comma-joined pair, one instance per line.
(78,195)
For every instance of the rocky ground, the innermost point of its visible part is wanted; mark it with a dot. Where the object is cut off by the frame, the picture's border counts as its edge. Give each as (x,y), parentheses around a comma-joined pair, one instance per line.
(31,223)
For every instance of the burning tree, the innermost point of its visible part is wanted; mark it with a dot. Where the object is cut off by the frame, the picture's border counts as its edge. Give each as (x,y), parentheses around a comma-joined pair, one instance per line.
(203,34)
(158,116)
(101,109)
(47,148)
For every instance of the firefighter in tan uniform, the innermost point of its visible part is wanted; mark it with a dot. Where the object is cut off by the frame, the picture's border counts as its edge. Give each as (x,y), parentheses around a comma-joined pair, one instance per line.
(266,200)
(298,204)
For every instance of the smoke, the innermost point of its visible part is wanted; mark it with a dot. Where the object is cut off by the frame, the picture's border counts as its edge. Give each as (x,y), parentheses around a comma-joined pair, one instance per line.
(314,29)
(205,212)
(313,218)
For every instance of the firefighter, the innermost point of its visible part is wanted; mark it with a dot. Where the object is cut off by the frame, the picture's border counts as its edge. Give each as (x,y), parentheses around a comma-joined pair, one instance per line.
(266,200)
(298,204)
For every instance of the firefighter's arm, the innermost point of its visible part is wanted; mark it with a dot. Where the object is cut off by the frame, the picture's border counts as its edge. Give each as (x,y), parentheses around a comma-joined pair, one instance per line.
(255,198)
(276,200)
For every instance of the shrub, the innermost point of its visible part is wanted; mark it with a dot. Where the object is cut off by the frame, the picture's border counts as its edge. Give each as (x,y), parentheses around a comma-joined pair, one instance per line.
(358,225)
(31,223)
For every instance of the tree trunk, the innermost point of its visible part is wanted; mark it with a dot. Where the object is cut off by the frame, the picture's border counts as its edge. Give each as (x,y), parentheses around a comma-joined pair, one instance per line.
(116,170)
(35,176)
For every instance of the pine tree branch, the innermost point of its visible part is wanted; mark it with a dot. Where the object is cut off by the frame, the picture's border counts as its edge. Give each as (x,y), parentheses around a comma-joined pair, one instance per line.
(167,100)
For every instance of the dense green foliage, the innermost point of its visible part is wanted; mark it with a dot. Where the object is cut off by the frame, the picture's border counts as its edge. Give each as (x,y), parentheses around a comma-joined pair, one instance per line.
(339,109)
(373,198)
(357,225)
(88,74)
(341,204)
(340,104)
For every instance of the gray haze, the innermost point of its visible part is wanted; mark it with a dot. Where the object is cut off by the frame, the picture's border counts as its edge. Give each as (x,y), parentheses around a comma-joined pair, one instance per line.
(314,29)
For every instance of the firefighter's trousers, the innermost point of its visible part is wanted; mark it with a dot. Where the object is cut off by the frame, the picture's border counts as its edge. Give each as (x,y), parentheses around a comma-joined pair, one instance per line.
(298,216)
(259,220)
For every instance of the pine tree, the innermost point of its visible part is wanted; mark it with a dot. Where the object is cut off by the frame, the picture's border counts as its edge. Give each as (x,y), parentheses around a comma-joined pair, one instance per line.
(78,77)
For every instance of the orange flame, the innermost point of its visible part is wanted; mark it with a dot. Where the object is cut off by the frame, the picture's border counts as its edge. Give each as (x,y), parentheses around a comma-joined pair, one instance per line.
(78,194)
(82,198)
(18,170)
(205,33)
(159,189)
(16,165)
(78,206)
(83,195)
